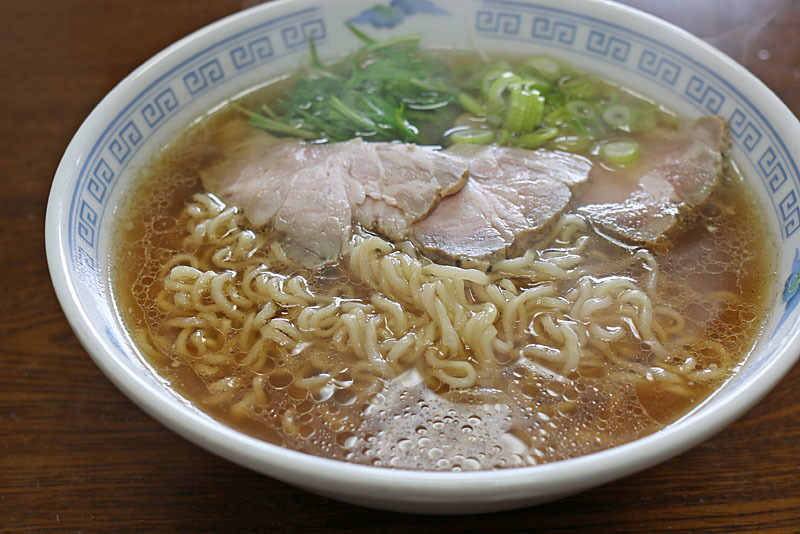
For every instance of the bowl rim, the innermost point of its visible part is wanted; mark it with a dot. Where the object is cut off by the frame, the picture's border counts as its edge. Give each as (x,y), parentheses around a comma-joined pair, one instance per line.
(288,465)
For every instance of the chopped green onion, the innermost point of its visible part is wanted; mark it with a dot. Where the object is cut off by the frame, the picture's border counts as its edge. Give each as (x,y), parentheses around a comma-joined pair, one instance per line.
(571,143)
(557,117)
(267,111)
(358,33)
(475,136)
(489,78)
(498,88)
(315,62)
(502,137)
(583,130)
(411,39)
(535,81)
(525,108)
(386,91)
(620,153)
(471,105)
(582,109)
(579,87)
(266,123)
(494,119)
(619,116)
(555,100)
(536,138)
(400,121)
(351,114)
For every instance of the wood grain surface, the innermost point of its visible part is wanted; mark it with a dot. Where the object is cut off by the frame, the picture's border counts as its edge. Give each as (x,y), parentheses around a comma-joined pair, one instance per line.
(77,456)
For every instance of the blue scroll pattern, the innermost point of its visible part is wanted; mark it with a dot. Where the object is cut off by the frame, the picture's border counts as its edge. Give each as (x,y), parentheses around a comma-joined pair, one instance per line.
(257,50)
(705,94)
(559,31)
(155,110)
(659,67)
(125,141)
(298,35)
(506,23)
(608,45)
(203,77)
(743,129)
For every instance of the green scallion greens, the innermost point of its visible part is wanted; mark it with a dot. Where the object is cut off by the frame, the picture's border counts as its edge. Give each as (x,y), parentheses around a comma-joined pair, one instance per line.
(388,91)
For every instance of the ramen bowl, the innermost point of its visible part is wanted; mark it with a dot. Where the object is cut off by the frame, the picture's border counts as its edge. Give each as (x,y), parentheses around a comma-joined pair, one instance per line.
(158,100)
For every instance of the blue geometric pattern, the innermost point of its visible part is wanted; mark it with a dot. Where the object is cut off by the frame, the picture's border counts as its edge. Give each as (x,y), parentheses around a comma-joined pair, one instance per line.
(743,129)
(507,23)
(772,171)
(613,47)
(709,98)
(659,67)
(790,212)
(87,223)
(299,35)
(205,76)
(161,105)
(249,53)
(559,31)
(127,139)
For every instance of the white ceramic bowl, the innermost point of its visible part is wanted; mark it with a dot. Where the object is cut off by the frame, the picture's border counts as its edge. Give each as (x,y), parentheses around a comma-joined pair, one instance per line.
(147,108)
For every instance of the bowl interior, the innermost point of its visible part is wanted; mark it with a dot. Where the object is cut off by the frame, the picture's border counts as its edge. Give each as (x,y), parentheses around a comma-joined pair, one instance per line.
(160,98)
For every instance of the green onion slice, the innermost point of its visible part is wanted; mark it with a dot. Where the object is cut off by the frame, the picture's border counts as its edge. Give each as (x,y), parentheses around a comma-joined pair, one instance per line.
(582,109)
(579,87)
(475,136)
(471,105)
(498,88)
(502,137)
(619,116)
(620,153)
(571,143)
(536,138)
(558,117)
(525,108)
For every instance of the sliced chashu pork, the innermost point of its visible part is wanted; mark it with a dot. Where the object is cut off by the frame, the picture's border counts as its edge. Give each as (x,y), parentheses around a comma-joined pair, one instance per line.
(512,197)
(680,172)
(312,193)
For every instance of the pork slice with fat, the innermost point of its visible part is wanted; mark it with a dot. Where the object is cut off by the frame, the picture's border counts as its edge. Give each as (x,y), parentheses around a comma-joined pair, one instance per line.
(679,173)
(310,194)
(511,199)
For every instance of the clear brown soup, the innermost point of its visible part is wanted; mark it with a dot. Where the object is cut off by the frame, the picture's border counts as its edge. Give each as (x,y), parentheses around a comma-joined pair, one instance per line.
(716,273)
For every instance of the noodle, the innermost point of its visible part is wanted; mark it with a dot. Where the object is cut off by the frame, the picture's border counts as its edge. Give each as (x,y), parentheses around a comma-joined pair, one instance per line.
(446,319)
(384,357)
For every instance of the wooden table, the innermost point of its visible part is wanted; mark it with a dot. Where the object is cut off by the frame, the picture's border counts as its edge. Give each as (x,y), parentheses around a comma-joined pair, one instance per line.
(76,455)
